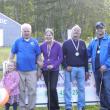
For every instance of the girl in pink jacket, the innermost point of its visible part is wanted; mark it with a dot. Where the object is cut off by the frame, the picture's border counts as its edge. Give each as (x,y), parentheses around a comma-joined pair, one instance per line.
(11,83)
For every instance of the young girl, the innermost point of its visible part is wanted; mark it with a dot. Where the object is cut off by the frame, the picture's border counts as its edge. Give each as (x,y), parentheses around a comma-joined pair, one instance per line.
(11,83)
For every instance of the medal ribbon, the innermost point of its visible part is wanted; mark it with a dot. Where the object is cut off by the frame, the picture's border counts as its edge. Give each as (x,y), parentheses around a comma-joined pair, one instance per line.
(76,47)
(49,46)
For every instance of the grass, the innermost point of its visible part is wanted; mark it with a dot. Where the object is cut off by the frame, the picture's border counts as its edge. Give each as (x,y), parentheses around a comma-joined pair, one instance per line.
(62,108)
(4,53)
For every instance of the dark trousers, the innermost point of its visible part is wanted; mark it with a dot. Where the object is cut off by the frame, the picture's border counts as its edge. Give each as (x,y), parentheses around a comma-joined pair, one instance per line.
(105,88)
(7,106)
(51,79)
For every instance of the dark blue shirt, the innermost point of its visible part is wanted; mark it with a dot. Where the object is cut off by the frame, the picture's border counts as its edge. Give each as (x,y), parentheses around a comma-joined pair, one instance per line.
(97,58)
(69,57)
(26,53)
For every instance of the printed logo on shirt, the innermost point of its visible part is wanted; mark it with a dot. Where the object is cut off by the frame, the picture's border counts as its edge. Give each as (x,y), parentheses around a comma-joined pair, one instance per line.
(32,43)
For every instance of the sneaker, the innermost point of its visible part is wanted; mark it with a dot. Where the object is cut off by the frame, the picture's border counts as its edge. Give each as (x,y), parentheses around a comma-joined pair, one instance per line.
(68,109)
(32,109)
(81,108)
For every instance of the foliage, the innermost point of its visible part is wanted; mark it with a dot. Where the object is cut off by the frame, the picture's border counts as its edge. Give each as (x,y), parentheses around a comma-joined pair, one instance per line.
(58,14)
(4,54)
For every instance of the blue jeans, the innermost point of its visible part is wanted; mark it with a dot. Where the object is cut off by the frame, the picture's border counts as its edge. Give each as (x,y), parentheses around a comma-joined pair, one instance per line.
(105,88)
(77,73)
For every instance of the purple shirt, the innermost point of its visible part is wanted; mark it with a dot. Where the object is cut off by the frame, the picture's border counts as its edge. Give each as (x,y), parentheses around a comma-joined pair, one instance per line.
(11,82)
(54,58)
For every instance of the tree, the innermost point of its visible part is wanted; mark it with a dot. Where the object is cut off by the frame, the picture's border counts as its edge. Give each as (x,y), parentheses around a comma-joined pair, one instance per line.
(58,14)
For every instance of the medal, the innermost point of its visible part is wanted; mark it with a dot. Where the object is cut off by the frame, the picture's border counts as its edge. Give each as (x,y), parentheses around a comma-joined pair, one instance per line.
(98,51)
(76,47)
(77,54)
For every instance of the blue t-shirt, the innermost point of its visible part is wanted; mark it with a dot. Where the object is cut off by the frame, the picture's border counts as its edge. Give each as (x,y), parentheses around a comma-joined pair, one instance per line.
(26,53)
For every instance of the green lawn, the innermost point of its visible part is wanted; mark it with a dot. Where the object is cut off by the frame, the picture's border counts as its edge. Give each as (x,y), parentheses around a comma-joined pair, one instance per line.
(4,53)
(62,108)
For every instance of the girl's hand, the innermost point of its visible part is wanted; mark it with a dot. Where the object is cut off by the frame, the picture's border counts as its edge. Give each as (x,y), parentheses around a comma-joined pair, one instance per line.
(50,66)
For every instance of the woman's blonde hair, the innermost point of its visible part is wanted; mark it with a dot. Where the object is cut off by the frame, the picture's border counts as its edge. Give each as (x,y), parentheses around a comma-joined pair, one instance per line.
(49,30)
(6,64)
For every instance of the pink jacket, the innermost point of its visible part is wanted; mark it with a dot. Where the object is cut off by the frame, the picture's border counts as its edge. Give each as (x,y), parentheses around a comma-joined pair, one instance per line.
(11,82)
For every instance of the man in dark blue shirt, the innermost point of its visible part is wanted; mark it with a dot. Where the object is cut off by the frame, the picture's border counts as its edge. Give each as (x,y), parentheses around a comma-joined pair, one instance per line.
(27,51)
(75,63)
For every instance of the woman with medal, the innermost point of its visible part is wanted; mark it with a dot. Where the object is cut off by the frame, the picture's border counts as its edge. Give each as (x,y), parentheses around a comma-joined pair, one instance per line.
(75,63)
(53,56)
(99,52)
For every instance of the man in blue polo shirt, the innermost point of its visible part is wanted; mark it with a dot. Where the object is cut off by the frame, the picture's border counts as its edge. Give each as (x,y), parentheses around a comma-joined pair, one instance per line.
(27,51)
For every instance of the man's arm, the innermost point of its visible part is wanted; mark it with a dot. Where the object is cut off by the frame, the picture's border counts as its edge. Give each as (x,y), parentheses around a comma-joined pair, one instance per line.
(40,61)
(11,56)
(107,62)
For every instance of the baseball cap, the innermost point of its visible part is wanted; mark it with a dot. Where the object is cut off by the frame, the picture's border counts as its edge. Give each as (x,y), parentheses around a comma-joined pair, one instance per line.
(100,25)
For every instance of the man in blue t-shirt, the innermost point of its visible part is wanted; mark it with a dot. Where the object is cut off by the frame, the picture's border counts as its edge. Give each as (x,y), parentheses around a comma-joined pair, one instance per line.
(27,51)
